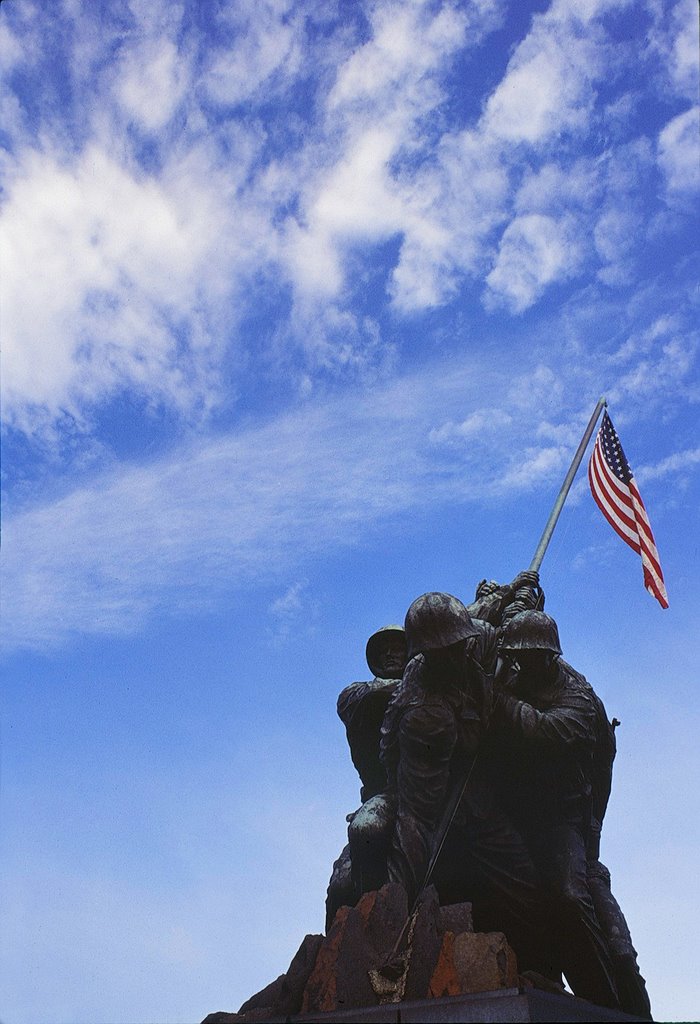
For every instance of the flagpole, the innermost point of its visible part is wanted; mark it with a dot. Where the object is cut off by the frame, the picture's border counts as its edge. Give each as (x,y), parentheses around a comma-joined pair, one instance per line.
(565,488)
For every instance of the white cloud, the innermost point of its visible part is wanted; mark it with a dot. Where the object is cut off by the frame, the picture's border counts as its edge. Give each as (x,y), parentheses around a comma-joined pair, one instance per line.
(533,465)
(554,188)
(679,152)
(353,200)
(535,251)
(290,602)
(535,389)
(152,17)
(143,275)
(252,508)
(684,49)
(642,343)
(665,369)
(11,51)
(679,462)
(248,508)
(482,422)
(293,612)
(584,11)
(116,279)
(673,44)
(374,116)
(153,80)
(406,47)
(454,206)
(547,87)
(616,236)
(266,40)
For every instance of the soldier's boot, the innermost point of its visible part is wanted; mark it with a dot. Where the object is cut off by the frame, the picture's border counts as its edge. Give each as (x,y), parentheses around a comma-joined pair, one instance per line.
(631,987)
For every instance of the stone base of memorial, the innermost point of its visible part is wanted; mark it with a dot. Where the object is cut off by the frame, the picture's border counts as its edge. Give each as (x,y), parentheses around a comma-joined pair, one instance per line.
(373,966)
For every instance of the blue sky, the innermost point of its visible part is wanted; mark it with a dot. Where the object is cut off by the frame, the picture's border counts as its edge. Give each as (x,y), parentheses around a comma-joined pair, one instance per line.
(305,306)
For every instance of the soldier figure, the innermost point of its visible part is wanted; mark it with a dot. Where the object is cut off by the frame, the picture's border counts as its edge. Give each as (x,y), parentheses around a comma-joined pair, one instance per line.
(549,720)
(434,724)
(432,741)
(361,707)
(631,987)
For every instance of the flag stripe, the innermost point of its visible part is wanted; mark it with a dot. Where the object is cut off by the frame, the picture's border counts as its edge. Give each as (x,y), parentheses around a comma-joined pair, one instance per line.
(615,523)
(650,558)
(640,512)
(624,512)
(614,484)
(622,525)
(646,537)
(616,494)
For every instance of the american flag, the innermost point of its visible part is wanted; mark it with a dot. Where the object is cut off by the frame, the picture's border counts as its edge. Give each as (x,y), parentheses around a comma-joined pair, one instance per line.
(616,495)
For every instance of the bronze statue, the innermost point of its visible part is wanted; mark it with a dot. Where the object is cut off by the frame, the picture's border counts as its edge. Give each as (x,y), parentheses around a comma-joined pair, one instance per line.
(449,828)
(491,781)
(434,723)
(361,866)
(560,746)
(361,706)
(496,602)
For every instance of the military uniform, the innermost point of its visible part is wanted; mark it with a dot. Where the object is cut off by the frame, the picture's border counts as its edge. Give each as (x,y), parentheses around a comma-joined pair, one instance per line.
(432,740)
(430,734)
(551,740)
(361,866)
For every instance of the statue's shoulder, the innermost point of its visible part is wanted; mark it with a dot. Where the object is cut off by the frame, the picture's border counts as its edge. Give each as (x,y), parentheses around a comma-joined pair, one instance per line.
(578,680)
(378,692)
(350,696)
(573,676)
(410,690)
(485,628)
(484,645)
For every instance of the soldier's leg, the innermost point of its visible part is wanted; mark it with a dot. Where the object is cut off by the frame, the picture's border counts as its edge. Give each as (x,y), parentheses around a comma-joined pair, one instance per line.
(369,839)
(560,859)
(631,987)
(341,892)
(501,880)
(427,738)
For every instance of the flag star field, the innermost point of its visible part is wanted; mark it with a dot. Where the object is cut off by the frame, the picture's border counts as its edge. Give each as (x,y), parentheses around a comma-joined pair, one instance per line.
(305,305)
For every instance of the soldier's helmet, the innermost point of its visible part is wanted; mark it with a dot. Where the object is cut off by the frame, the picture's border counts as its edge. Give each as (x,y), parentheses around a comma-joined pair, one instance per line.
(437,620)
(373,650)
(531,631)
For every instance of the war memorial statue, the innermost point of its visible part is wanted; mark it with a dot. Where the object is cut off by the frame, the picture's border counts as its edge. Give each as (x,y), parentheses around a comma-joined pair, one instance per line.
(473,861)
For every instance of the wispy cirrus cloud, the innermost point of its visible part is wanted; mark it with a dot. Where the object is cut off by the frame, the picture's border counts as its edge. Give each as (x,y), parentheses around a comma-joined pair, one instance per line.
(266,50)
(535,251)
(678,153)
(679,462)
(255,506)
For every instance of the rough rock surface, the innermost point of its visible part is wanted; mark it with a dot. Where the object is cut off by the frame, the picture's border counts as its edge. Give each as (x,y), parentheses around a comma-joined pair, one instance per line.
(266,997)
(473,962)
(457,917)
(358,941)
(424,947)
(375,953)
(282,997)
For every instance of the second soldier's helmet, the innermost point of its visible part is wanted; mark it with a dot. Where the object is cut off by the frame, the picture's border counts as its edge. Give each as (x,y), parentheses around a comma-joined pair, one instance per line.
(531,631)
(374,646)
(437,620)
